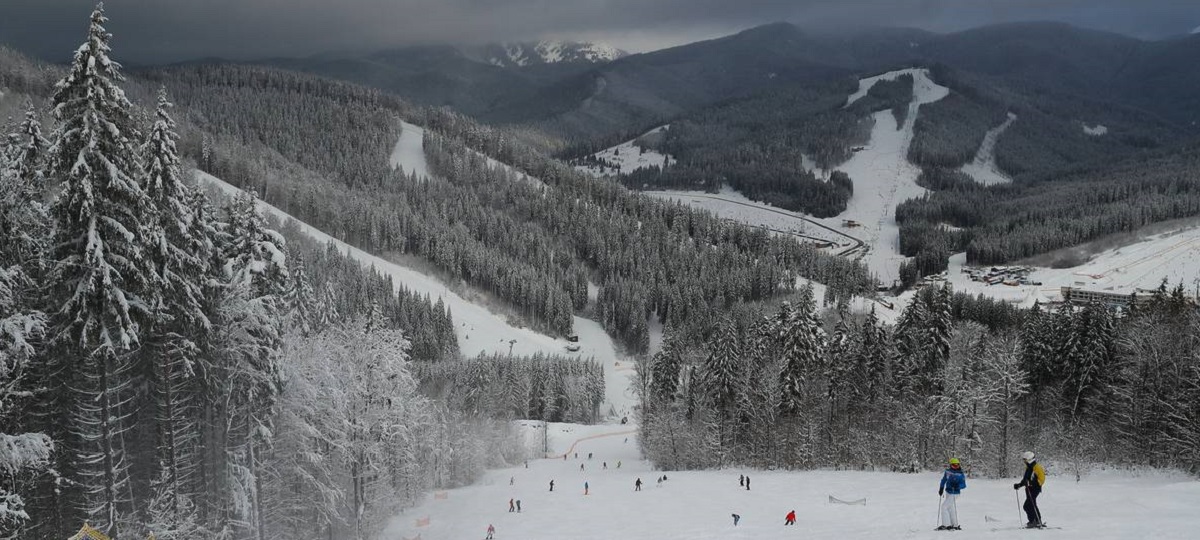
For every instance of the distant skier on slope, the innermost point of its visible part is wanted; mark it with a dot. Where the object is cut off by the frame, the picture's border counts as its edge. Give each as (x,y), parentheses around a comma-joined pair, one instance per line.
(585,488)
(518,506)
(790,519)
(637,486)
(552,485)
(491,532)
(741,480)
(1032,481)
(747,483)
(511,506)
(953,482)
(736,518)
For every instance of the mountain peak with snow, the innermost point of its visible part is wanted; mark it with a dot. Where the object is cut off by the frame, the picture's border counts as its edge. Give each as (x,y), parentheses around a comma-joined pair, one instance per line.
(548,51)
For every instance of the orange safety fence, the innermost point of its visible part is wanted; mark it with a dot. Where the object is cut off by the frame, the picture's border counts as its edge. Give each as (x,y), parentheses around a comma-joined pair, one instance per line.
(588,438)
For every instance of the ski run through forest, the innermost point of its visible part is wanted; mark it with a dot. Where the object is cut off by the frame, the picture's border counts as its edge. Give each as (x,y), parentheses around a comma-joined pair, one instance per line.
(463,321)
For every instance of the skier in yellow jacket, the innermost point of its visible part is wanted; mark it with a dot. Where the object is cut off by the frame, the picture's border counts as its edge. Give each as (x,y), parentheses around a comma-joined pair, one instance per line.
(1034,479)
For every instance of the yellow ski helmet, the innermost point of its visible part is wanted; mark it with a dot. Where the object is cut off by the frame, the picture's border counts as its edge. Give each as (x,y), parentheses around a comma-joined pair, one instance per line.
(954,461)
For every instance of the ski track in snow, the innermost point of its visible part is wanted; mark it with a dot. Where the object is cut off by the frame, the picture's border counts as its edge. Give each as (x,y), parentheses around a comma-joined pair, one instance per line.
(478,329)
(409,155)
(983,168)
(696,505)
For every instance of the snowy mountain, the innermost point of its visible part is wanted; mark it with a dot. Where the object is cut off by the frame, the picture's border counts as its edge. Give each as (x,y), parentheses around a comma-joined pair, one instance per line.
(521,54)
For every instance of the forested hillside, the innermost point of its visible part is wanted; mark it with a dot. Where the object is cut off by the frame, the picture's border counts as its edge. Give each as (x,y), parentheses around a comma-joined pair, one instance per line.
(786,390)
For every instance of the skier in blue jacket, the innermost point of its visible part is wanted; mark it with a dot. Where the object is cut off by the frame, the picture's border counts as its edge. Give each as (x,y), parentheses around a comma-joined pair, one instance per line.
(953,482)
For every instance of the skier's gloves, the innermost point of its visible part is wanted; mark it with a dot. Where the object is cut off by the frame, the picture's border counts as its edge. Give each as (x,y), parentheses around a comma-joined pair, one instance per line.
(1017,485)
(941,492)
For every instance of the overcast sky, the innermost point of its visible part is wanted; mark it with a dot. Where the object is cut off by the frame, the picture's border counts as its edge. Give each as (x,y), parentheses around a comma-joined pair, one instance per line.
(171,30)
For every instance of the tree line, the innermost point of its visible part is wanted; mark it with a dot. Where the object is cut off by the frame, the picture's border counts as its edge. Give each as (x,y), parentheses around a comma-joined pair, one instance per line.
(1084,384)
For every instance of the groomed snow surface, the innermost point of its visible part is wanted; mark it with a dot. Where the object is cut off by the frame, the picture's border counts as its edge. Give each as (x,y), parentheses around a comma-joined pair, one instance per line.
(697,505)
(628,157)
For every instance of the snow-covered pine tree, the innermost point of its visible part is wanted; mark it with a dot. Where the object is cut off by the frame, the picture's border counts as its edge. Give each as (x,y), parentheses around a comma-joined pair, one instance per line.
(247,372)
(181,258)
(26,152)
(803,347)
(664,371)
(104,283)
(21,329)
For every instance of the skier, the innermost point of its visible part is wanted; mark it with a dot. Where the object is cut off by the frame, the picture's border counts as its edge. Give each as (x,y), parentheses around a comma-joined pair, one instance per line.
(589,455)
(527,464)
(747,483)
(735,519)
(518,506)
(790,519)
(637,486)
(953,482)
(585,488)
(581,466)
(511,507)
(1032,481)
(491,532)
(660,481)
(576,455)
(618,464)
(741,480)
(564,457)
(665,478)
(511,480)
(606,465)
(552,485)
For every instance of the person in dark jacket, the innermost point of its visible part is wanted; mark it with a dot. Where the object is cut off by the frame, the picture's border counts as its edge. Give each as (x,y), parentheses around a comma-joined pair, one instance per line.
(1032,481)
(953,482)
(736,518)
(511,507)
(637,486)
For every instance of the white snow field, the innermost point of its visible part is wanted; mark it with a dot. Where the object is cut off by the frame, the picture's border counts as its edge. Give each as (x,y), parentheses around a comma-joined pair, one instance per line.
(983,168)
(697,505)
(477,328)
(629,157)
(732,205)
(1172,255)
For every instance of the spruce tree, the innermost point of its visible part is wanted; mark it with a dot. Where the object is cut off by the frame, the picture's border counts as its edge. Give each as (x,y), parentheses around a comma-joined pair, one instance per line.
(104,282)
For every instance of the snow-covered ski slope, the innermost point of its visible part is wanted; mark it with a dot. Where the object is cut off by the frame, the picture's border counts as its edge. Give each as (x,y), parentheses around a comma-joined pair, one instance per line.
(1144,264)
(629,157)
(478,329)
(697,505)
(409,156)
(882,175)
(983,168)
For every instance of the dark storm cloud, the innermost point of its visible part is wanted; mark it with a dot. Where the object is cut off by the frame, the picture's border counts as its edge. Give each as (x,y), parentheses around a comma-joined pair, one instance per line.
(165,30)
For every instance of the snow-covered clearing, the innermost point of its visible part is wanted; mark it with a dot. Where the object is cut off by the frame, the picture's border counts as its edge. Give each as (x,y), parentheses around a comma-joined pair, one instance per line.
(477,328)
(627,157)
(696,505)
(731,205)
(1096,130)
(1173,255)
(983,168)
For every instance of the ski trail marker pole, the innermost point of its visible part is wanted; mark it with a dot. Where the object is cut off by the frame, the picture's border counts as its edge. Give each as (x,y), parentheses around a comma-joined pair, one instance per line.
(939,509)
(1018,497)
